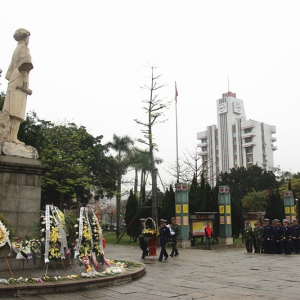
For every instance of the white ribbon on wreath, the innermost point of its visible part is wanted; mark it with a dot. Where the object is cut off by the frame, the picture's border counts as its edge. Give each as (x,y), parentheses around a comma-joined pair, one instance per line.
(89,225)
(63,238)
(47,236)
(77,248)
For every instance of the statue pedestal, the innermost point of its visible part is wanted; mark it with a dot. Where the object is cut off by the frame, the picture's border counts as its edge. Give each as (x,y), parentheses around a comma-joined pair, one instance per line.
(20,197)
(183,244)
(225,240)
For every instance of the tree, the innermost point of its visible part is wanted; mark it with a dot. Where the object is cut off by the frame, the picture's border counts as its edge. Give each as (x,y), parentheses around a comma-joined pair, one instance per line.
(123,160)
(255,201)
(275,206)
(188,166)
(131,212)
(69,160)
(154,108)
(110,210)
(194,196)
(168,204)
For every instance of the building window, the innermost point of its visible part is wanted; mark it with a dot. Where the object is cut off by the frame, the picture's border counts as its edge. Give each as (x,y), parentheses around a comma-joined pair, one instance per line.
(234,134)
(248,130)
(248,140)
(249,159)
(234,143)
(204,140)
(235,161)
(217,147)
(249,150)
(204,149)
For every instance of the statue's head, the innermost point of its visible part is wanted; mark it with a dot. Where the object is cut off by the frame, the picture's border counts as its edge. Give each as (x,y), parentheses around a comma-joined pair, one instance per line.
(21,34)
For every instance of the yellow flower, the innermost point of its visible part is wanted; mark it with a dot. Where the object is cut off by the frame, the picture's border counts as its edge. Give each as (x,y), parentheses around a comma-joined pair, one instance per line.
(54,235)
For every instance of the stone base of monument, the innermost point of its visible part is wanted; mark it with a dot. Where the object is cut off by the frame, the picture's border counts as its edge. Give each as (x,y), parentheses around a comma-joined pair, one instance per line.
(225,240)
(19,150)
(183,244)
(20,199)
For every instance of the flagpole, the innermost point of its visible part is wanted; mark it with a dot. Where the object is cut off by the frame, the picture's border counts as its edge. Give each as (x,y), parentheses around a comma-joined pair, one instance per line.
(176,94)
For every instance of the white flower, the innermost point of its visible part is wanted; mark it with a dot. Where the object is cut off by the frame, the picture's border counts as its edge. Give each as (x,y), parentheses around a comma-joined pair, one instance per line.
(76,225)
(43,230)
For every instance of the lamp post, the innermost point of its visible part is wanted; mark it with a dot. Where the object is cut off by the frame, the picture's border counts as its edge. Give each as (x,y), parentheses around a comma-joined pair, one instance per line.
(296,208)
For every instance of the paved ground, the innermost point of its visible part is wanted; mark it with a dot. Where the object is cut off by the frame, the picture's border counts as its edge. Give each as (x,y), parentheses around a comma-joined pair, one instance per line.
(200,274)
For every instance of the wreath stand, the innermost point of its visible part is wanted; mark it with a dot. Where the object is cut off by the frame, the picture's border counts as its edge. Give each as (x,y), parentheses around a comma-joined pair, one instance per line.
(8,266)
(152,242)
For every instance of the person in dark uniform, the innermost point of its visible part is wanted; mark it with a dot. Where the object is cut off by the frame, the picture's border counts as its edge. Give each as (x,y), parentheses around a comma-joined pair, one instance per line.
(258,237)
(248,236)
(296,235)
(286,237)
(278,235)
(175,232)
(164,235)
(143,243)
(268,237)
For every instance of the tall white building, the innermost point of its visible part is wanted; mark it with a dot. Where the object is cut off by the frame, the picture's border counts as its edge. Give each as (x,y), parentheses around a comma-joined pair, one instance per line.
(236,141)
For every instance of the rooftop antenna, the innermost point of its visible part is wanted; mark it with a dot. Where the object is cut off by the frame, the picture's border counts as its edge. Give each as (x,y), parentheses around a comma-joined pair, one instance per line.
(228,82)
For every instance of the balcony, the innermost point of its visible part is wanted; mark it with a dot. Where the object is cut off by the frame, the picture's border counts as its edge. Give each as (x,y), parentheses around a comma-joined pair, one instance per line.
(274,148)
(247,135)
(202,145)
(202,135)
(202,153)
(248,124)
(250,144)
(274,139)
(273,129)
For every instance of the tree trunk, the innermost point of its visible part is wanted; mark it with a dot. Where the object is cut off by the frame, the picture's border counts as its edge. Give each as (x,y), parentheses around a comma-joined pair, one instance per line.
(118,206)
(135,181)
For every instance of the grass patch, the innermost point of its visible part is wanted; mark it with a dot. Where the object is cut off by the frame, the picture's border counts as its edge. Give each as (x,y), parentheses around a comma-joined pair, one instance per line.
(111,238)
(238,240)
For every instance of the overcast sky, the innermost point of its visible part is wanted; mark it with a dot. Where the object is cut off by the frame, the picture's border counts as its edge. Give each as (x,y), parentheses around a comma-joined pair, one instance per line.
(90,59)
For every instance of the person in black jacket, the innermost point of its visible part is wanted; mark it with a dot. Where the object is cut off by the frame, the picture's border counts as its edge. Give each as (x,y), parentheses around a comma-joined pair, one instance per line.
(143,243)
(165,235)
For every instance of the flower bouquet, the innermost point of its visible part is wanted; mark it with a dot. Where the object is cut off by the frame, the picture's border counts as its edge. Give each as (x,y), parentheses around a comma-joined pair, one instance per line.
(149,233)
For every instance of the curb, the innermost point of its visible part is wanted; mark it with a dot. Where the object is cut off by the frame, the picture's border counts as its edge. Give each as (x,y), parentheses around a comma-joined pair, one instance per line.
(70,286)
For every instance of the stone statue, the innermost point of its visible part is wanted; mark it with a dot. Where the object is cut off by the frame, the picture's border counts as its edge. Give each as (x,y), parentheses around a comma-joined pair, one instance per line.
(17,90)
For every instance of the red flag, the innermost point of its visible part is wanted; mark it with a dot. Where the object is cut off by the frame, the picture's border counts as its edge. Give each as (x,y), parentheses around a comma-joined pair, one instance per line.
(176,92)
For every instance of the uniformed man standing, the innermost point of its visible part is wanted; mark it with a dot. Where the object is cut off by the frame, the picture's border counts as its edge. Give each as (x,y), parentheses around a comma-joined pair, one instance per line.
(268,237)
(258,238)
(286,237)
(278,235)
(248,237)
(296,235)
(175,228)
(143,243)
(165,235)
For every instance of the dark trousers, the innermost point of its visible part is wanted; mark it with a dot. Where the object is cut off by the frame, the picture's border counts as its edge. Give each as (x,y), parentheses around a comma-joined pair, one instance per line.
(143,246)
(174,247)
(163,252)
(286,246)
(278,247)
(296,245)
(269,247)
(248,243)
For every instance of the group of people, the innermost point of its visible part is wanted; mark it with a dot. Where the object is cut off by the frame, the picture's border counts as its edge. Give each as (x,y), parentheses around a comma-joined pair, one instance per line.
(167,233)
(275,238)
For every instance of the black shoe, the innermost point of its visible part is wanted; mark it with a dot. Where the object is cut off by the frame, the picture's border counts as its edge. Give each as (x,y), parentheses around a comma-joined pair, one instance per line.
(160,260)
(166,257)
(171,255)
(147,253)
(143,257)
(176,254)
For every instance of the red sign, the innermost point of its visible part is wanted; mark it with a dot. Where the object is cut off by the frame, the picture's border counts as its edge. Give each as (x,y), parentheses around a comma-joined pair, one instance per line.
(288,194)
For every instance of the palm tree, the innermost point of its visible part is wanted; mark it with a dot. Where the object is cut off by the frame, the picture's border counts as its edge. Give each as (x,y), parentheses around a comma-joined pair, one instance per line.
(123,159)
(141,162)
